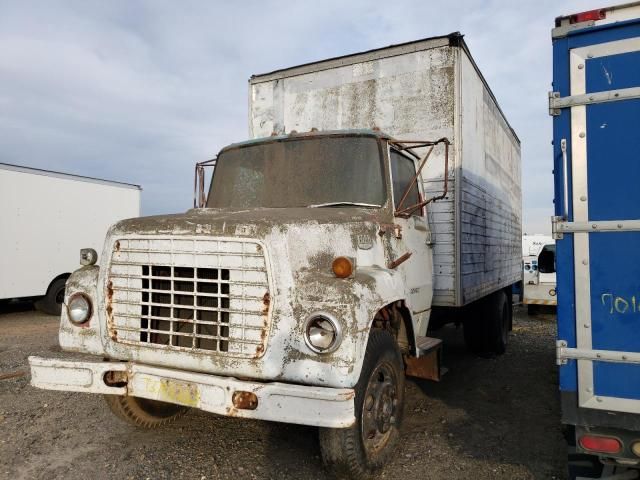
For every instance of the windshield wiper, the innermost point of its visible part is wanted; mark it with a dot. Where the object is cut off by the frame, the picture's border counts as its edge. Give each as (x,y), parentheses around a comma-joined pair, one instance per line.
(341,204)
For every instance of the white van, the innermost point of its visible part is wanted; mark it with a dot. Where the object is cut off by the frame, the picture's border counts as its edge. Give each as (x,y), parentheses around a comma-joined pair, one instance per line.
(539,276)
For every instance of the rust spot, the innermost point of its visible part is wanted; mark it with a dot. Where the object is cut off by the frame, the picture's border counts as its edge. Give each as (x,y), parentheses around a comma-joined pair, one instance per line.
(115,378)
(245,400)
(266,301)
(116,246)
(400,260)
(7,376)
(109,308)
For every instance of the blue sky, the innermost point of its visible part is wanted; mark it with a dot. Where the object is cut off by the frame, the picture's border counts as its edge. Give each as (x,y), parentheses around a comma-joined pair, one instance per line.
(138,91)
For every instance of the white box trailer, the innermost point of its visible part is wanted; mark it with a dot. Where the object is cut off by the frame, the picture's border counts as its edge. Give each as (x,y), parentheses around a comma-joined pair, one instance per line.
(425,89)
(47,217)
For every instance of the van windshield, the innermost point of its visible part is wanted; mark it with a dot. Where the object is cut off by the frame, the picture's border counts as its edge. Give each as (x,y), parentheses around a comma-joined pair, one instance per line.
(301,172)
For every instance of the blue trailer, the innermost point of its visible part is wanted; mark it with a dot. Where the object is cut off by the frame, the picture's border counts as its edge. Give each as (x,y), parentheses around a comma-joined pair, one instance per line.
(595,104)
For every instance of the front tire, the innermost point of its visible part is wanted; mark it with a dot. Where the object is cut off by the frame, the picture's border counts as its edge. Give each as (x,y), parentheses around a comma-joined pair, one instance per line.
(361,450)
(142,412)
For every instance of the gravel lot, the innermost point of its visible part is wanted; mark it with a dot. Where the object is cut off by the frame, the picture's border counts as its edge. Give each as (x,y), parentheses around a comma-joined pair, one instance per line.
(495,418)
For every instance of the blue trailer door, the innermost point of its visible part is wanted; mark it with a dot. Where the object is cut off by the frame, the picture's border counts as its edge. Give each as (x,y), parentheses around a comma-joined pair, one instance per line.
(603,193)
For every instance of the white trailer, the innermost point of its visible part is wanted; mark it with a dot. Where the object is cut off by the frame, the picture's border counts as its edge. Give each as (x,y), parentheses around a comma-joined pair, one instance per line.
(539,275)
(47,218)
(427,89)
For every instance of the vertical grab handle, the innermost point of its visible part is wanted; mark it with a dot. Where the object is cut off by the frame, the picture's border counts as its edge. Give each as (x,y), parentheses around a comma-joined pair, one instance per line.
(565,179)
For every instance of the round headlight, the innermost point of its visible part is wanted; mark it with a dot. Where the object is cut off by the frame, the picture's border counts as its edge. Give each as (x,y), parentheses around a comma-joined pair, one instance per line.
(79,308)
(322,333)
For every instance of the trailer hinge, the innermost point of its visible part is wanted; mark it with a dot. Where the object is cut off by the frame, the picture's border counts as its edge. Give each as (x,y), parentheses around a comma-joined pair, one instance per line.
(555,232)
(557,103)
(560,357)
(553,111)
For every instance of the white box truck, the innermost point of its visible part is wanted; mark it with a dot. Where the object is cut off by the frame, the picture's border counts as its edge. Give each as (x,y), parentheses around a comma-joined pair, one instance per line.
(539,275)
(302,286)
(47,217)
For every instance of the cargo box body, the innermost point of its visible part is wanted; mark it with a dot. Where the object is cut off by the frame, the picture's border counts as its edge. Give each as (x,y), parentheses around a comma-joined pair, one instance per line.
(422,90)
(47,218)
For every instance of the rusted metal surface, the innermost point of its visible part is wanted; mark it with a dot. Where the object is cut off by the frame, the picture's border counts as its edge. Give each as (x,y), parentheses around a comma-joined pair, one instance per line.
(245,400)
(426,367)
(400,260)
(406,145)
(222,395)
(16,374)
(116,378)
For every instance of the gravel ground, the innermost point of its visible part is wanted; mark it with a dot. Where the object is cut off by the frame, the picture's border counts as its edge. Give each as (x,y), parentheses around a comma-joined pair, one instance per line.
(488,418)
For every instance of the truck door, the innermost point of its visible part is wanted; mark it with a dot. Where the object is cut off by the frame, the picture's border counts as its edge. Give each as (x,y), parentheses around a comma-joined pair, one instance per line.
(602,144)
(415,240)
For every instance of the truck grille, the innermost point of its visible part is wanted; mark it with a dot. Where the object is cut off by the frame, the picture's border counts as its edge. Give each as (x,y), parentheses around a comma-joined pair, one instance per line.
(189,294)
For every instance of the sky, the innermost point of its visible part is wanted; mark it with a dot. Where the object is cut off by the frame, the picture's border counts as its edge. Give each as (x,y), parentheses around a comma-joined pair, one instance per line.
(139,91)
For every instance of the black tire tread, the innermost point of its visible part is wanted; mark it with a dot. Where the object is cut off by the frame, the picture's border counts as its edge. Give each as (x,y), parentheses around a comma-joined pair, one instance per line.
(128,409)
(341,450)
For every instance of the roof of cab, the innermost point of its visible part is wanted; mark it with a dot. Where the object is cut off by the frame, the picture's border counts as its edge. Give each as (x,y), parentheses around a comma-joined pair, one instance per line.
(312,133)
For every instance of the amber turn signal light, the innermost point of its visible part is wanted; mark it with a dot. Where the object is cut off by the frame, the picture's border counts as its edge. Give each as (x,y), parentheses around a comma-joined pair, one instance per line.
(342,267)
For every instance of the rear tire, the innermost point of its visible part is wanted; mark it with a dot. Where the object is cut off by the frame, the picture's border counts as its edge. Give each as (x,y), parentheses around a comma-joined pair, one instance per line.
(486,332)
(498,317)
(360,451)
(142,412)
(52,302)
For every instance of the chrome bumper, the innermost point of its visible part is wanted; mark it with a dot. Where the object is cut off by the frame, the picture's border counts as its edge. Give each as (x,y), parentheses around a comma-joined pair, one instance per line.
(279,402)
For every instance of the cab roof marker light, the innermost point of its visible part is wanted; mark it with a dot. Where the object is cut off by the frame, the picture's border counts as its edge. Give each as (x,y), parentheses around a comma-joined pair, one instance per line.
(598,14)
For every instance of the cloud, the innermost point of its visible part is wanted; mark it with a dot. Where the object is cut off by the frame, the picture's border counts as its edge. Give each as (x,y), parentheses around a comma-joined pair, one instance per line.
(140,91)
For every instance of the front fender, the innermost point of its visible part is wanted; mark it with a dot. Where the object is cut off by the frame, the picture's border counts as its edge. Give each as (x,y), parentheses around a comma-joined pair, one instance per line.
(354,302)
(84,338)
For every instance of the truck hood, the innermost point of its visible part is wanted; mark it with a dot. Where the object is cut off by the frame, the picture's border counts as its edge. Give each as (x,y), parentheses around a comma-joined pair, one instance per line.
(257,223)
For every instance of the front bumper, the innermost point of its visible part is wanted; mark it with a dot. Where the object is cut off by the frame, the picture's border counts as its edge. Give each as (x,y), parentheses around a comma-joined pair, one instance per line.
(280,402)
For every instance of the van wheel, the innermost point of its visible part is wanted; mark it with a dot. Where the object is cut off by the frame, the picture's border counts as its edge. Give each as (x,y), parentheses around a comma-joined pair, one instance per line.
(142,412)
(52,302)
(363,449)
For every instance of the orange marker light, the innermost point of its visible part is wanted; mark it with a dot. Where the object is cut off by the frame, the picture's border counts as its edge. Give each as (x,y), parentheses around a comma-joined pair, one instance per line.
(342,267)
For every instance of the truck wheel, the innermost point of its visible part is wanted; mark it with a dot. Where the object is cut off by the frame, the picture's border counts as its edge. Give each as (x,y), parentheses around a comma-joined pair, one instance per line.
(532,309)
(486,330)
(52,302)
(498,318)
(475,335)
(142,412)
(361,450)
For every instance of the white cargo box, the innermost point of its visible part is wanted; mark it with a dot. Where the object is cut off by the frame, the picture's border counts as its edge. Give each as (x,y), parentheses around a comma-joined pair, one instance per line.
(422,90)
(47,218)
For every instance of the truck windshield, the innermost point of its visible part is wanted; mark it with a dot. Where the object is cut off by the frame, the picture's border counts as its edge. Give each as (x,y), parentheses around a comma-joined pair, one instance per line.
(302,172)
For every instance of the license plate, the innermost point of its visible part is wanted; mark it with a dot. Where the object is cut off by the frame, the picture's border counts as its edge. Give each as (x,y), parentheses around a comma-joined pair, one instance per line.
(174,391)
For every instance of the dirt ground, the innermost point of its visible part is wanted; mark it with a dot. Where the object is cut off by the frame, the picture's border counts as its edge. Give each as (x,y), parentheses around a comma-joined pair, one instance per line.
(488,418)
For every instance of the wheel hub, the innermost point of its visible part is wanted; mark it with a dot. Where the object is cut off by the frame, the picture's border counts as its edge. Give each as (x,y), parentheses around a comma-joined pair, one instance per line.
(379,408)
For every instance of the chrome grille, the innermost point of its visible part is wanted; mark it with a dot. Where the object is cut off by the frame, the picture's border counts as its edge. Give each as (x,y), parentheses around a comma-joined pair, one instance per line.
(189,294)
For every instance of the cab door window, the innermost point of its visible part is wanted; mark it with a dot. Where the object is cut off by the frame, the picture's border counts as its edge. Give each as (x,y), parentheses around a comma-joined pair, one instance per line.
(403,171)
